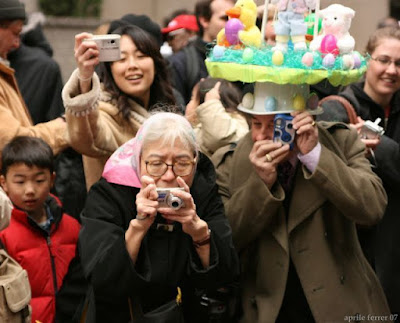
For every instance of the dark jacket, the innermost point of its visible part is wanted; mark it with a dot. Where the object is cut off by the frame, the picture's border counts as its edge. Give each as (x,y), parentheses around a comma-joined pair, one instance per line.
(166,259)
(386,239)
(188,67)
(44,255)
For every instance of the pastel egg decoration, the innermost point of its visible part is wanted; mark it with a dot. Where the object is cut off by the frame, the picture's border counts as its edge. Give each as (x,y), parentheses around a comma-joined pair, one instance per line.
(248,55)
(277,58)
(270,104)
(299,103)
(248,101)
(329,45)
(218,51)
(308,59)
(347,62)
(357,60)
(312,101)
(329,60)
(232,28)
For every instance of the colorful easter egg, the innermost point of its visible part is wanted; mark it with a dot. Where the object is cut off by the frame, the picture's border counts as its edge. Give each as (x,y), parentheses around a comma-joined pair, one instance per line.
(299,103)
(248,55)
(329,45)
(277,58)
(218,51)
(357,60)
(232,28)
(270,104)
(347,62)
(328,61)
(248,101)
(312,101)
(308,59)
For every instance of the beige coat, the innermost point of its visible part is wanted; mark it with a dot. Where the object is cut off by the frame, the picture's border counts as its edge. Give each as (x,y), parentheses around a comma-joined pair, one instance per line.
(215,127)
(319,235)
(15,118)
(95,128)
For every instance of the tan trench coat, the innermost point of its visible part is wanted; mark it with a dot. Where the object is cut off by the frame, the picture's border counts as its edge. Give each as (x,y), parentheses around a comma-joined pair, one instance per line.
(15,119)
(95,129)
(319,235)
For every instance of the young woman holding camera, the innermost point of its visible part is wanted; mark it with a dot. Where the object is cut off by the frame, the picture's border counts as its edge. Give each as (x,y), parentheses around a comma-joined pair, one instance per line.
(103,116)
(378,96)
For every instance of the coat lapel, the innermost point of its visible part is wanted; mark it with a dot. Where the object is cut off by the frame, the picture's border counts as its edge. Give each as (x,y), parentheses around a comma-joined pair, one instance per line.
(306,198)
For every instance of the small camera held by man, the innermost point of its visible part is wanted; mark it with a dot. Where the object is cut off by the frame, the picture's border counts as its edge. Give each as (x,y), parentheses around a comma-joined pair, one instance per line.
(109,47)
(166,198)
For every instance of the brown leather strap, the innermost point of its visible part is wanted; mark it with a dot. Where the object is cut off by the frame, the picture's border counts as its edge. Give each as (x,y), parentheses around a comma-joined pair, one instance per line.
(351,113)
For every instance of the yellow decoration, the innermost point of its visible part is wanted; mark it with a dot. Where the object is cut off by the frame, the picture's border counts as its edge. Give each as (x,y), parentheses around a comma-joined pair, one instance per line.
(299,104)
(246,12)
(255,73)
(277,58)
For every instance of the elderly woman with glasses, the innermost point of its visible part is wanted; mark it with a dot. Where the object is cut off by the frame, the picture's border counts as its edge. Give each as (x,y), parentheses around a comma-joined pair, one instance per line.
(378,96)
(137,250)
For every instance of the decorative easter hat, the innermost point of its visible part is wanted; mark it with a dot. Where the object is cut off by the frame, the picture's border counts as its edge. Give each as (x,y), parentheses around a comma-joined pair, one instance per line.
(283,74)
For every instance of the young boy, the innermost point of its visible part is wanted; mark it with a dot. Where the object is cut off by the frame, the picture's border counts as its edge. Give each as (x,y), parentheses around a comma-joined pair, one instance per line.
(40,237)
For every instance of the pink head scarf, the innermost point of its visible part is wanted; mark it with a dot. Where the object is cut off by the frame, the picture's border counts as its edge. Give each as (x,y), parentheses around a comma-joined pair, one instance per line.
(123,167)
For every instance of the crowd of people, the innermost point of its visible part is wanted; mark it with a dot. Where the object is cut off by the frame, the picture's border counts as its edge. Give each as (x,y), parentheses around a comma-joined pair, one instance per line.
(138,191)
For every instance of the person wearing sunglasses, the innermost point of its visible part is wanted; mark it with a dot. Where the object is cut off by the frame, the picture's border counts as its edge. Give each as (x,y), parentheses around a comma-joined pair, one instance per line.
(137,250)
(378,96)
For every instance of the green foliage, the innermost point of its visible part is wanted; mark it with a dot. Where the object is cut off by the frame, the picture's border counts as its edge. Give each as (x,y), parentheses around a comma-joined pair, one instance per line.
(75,8)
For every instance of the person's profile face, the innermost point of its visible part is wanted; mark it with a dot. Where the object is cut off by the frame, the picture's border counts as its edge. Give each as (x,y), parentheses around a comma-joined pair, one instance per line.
(134,73)
(156,154)
(10,37)
(218,19)
(262,127)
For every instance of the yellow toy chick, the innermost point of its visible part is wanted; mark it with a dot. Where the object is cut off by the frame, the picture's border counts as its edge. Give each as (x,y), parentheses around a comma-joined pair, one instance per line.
(245,30)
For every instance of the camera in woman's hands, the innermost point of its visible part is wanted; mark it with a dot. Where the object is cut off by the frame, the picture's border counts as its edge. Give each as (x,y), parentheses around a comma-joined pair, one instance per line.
(166,198)
(283,129)
(108,45)
(371,130)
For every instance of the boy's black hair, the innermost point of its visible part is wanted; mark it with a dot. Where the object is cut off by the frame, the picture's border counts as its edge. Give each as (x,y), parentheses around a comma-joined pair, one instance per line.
(30,151)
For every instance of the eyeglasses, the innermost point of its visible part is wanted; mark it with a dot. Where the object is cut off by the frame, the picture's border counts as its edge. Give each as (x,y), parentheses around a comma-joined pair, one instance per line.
(158,168)
(386,61)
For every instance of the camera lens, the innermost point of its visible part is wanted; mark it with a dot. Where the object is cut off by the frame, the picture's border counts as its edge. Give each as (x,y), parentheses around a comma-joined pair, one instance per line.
(112,41)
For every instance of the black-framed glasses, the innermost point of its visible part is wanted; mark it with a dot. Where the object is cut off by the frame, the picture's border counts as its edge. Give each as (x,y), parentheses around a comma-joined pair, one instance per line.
(386,61)
(158,168)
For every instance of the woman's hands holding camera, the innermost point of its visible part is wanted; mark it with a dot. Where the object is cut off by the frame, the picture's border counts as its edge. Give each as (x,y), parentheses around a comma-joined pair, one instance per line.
(147,207)
(187,215)
(87,57)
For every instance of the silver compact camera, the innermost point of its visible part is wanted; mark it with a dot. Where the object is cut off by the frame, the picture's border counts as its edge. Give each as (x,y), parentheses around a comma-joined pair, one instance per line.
(166,198)
(108,45)
(371,130)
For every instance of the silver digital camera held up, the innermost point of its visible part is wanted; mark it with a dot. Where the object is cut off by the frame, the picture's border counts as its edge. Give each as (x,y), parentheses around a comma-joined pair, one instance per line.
(283,129)
(108,46)
(371,130)
(166,198)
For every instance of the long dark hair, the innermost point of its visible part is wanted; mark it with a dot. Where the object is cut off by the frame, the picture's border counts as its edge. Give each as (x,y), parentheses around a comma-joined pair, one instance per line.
(160,89)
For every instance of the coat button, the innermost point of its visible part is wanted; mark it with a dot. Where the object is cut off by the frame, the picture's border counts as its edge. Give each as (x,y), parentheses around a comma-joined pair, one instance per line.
(342,278)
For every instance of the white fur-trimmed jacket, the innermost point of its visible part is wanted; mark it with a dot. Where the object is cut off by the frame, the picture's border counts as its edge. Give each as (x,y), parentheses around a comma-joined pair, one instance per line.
(95,126)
